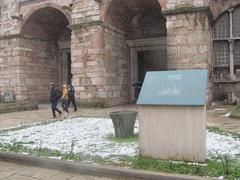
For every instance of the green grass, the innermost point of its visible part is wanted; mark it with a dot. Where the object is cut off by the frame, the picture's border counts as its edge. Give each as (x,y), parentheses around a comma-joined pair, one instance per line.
(130,139)
(223,132)
(212,168)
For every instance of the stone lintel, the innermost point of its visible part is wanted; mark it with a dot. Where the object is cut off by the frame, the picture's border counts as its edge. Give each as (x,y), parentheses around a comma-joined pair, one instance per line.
(11,36)
(183,10)
(95,23)
(26,2)
(22,36)
(85,24)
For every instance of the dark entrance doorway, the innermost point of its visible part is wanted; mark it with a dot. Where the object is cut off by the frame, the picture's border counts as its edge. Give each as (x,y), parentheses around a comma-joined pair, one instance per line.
(149,60)
(67,70)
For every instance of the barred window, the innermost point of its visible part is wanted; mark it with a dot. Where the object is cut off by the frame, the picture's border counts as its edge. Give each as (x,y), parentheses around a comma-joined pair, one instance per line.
(221,29)
(226,46)
(221,53)
(236,22)
(236,52)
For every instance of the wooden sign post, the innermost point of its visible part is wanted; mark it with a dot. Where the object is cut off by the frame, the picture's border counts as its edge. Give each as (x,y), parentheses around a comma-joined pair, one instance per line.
(172,115)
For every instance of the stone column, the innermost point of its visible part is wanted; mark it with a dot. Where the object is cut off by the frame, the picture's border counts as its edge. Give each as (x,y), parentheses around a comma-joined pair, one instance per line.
(87,62)
(189,40)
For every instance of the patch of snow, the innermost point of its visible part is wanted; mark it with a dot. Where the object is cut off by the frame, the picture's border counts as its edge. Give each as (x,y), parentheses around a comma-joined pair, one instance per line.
(222,144)
(227,115)
(89,136)
(219,109)
(81,135)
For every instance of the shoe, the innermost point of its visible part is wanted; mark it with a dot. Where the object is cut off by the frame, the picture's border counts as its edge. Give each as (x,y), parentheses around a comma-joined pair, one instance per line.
(65,115)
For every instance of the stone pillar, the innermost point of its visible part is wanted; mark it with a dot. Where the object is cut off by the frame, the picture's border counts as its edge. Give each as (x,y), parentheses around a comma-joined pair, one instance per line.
(189,40)
(9,67)
(87,63)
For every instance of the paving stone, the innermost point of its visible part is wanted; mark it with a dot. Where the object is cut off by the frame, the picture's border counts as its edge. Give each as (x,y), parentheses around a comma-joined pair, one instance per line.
(4,174)
(29,171)
(62,176)
(45,173)
(19,177)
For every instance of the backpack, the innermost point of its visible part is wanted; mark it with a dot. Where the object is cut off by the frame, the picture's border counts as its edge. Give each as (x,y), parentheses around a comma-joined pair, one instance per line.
(71,91)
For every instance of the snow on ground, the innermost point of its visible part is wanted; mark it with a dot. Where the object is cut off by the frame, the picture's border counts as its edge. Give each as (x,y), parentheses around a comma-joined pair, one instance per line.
(89,136)
(223,145)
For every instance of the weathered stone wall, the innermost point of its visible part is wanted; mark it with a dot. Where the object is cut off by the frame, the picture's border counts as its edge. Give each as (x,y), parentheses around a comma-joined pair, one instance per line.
(13,13)
(188,41)
(175,4)
(27,67)
(8,65)
(218,7)
(39,65)
(116,60)
(85,11)
(8,9)
(100,62)
(87,63)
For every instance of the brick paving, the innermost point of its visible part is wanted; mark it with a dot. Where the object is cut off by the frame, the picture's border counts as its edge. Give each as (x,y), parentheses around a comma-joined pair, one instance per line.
(13,171)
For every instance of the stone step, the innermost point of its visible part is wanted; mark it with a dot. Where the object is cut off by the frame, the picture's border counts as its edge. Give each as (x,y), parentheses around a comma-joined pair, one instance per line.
(19,106)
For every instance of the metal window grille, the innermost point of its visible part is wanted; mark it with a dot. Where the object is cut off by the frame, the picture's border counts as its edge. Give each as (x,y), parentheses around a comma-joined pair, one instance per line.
(222,27)
(221,53)
(236,52)
(236,22)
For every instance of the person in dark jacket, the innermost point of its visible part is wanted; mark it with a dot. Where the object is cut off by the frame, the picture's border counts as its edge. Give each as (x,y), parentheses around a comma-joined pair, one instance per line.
(55,95)
(71,97)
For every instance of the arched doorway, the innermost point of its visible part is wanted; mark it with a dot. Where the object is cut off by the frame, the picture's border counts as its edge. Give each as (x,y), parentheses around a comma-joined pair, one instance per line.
(138,29)
(45,52)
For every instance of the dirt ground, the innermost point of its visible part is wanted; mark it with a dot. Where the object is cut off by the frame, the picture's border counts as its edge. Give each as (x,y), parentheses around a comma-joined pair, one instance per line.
(216,117)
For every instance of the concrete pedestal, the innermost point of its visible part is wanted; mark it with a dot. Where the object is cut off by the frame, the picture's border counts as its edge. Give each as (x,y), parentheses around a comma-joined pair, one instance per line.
(124,122)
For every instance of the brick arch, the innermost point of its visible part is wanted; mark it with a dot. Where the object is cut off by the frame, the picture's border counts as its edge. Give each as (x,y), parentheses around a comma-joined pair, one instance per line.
(221,6)
(42,6)
(135,17)
(107,3)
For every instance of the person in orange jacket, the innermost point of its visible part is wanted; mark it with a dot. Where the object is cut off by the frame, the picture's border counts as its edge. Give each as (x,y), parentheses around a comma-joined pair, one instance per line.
(65,99)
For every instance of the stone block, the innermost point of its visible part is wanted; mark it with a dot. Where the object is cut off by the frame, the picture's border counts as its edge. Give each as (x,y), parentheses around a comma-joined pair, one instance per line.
(85,95)
(203,49)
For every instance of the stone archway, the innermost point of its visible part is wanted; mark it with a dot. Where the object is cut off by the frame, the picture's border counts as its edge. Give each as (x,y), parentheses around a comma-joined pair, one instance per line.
(44,51)
(136,37)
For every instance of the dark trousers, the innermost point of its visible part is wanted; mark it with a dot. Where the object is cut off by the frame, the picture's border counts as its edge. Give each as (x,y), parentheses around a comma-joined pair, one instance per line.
(54,108)
(65,105)
(72,100)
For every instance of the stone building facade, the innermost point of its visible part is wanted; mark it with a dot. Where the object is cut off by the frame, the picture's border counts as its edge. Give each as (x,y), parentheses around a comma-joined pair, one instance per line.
(108,44)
